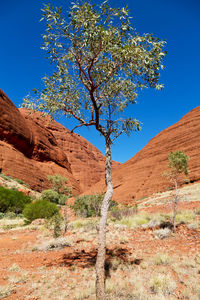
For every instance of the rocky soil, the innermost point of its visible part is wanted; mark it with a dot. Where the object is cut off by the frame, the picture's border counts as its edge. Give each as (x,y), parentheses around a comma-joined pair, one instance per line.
(144,260)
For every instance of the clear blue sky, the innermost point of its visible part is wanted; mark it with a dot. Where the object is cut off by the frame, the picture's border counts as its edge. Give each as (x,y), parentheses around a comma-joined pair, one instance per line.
(23,63)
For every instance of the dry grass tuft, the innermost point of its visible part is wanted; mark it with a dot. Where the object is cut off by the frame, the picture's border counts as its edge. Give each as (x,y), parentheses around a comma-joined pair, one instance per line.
(162,284)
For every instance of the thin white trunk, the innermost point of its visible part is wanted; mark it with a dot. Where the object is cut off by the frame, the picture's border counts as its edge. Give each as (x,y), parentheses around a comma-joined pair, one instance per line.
(101,254)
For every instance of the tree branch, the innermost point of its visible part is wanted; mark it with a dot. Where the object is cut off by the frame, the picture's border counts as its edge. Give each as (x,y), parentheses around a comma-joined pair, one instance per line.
(96,109)
(105,80)
(69,111)
(93,62)
(117,135)
(81,70)
(83,124)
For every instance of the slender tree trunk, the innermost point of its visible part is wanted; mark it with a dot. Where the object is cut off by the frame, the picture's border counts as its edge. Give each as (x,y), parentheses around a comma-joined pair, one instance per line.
(175,205)
(101,254)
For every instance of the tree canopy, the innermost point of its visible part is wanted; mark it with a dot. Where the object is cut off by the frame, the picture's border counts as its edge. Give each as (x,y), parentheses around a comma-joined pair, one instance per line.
(178,162)
(100,62)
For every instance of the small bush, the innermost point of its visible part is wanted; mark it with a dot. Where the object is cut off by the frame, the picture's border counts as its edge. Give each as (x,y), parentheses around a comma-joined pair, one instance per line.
(19,181)
(56,222)
(12,201)
(119,213)
(163,233)
(53,196)
(50,195)
(163,284)
(115,263)
(197,211)
(6,177)
(136,220)
(2,215)
(6,290)
(90,205)
(40,209)
(86,224)
(52,244)
(194,225)
(162,259)
(10,215)
(185,216)
(157,220)
(197,259)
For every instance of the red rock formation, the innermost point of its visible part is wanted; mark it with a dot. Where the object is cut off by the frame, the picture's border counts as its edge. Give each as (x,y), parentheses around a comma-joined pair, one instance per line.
(87,162)
(28,151)
(13,129)
(141,176)
(29,137)
(32,147)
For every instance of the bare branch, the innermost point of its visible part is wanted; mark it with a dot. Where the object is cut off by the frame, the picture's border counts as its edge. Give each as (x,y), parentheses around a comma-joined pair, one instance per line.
(117,135)
(83,124)
(69,111)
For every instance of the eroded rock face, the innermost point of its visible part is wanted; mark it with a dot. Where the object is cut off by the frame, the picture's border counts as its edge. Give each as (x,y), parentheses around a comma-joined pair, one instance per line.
(86,161)
(32,147)
(28,150)
(141,176)
(27,136)
(13,129)
(15,164)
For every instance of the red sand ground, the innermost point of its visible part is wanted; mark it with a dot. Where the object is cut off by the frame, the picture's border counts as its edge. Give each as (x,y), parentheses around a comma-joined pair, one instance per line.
(16,247)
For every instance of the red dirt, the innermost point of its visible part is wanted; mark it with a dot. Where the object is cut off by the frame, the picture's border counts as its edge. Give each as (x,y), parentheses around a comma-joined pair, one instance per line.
(16,248)
(167,208)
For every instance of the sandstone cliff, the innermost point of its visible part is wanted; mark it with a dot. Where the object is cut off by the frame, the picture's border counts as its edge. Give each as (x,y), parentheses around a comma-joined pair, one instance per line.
(86,161)
(32,147)
(141,176)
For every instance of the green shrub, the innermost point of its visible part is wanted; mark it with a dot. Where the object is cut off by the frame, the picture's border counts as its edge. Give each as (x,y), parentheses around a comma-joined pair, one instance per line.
(10,215)
(59,192)
(13,201)
(124,212)
(14,188)
(50,195)
(136,220)
(2,215)
(40,209)
(90,205)
(6,177)
(56,222)
(59,185)
(19,181)
(185,216)
(53,196)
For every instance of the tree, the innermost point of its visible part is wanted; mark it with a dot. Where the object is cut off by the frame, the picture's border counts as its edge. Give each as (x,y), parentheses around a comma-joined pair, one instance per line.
(59,192)
(101,63)
(178,163)
(90,205)
(59,184)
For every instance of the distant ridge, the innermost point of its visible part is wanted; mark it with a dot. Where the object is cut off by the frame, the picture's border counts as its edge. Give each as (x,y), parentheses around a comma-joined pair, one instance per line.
(141,176)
